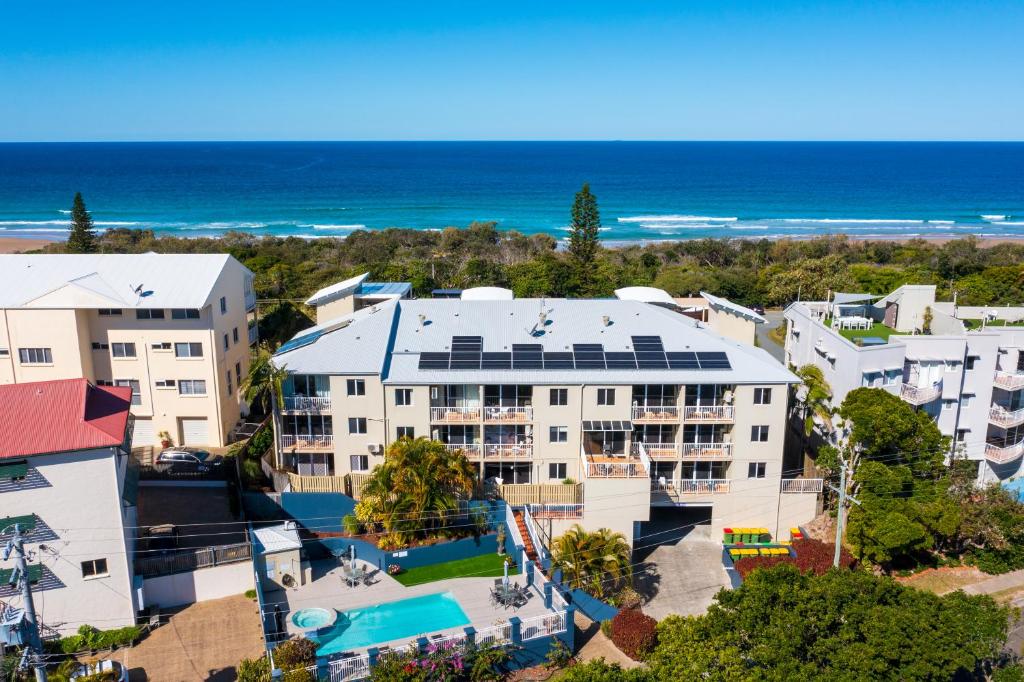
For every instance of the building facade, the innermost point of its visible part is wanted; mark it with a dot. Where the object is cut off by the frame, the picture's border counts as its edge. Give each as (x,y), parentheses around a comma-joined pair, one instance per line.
(174,328)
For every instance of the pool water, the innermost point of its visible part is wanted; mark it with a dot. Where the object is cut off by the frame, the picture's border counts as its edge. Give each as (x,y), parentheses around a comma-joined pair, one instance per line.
(1016,488)
(403,619)
(311,619)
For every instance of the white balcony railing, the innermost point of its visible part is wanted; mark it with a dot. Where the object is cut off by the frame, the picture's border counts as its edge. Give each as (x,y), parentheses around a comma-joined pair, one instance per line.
(455,414)
(919,395)
(250,300)
(1002,454)
(470,450)
(655,413)
(705,486)
(802,485)
(556,511)
(657,450)
(308,441)
(506,451)
(498,414)
(1009,381)
(708,413)
(307,403)
(254,334)
(1004,418)
(707,450)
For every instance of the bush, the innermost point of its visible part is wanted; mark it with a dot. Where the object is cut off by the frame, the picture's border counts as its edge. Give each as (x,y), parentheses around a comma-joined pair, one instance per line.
(91,639)
(260,442)
(351,524)
(634,633)
(391,542)
(811,555)
(253,669)
(250,594)
(295,653)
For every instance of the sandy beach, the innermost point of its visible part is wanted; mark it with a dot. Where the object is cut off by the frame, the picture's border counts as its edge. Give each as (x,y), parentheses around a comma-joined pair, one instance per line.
(20,244)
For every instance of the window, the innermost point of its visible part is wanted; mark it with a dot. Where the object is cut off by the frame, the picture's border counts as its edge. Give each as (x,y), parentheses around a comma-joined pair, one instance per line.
(149,314)
(223,305)
(184,314)
(762,396)
(966,399)
(961,435)
(234,335)
(110,312)
(94,568)
(357,425)
(969,362)
(191,387)
(406,432)
(104,382)
(227,344)
(238,373)
(952,365)
(166,345)
(558,434)
(230,389)
(606,396)
(35,356)
(165,383)
(4,352)
(96,345)
(122,350)
(759,434)
(556,470)
(559,396)
(756,469)
(355,387)
(948,404)
(359,462)
(403,396)
(188,350)
(136,389)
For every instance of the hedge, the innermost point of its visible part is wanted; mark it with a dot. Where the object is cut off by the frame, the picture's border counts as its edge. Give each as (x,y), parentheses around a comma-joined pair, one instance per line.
(811,555)
(634,633)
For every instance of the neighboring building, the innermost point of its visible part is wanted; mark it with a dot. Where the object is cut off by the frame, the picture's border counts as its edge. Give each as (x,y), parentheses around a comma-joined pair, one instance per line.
(354,294)
(729,319)
(642,405)
(173,327)
(64,450)
(970,382)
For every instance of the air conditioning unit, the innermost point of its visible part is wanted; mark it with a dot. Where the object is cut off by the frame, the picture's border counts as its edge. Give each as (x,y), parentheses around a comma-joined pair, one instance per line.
(373,448)
(727,397)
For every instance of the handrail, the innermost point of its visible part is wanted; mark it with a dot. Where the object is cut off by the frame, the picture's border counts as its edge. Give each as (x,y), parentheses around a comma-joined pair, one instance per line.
(307,441)
(499,413)
(309,403)
(655,413)
(508,451)
(535,535)
(658,450)
(919,395)
(470,450)
(1000,416)
(708,412)
(455,413)
(802,485)
(1010,381)
(1001,454)
(513,528)
(721,450)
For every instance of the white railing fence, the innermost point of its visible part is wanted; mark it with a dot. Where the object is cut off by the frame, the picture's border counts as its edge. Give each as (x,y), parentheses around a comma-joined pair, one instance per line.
(802,485)
(707,450)
(536,537)
(513,529)
(542,626)
(301,402)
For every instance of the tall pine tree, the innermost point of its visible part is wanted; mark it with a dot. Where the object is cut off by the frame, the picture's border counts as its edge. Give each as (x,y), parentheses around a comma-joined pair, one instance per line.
(583,243)
(81,239)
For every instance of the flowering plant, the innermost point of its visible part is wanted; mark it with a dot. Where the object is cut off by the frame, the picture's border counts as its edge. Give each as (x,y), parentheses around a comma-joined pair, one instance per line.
(394,569)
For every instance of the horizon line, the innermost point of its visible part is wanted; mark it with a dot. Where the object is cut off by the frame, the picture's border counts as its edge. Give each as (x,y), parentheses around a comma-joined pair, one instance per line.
(528,141)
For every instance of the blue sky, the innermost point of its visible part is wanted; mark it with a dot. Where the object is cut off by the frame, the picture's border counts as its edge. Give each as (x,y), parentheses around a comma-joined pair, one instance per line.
(682,70)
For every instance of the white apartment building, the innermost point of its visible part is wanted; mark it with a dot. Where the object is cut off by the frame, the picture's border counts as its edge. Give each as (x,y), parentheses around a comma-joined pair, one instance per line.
(173,327)
(642,405)
(64,450)
(970,382)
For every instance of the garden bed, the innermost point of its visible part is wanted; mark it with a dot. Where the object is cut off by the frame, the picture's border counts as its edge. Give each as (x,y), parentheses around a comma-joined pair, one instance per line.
(484,566)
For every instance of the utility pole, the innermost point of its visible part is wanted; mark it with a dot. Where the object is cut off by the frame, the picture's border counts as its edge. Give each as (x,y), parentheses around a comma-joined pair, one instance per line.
(841,512)
(17,545)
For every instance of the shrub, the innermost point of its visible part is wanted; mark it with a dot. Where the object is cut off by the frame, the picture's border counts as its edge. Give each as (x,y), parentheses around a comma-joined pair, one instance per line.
(295,653)
(260,442)
(811,555)
(391,542)
(253,669)
(634,633)
(394,569)
(351,524)
(92,639)
(250,594)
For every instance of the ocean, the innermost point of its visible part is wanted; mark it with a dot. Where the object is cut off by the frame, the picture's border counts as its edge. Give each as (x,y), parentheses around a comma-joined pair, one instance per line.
(646,190)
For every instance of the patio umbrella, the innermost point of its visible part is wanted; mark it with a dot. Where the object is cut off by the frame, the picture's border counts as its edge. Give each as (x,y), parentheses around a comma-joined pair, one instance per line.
(506,573)
(352,554)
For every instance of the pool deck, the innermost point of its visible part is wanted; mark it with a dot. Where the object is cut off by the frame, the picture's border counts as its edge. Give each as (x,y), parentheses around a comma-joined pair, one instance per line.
(328,590)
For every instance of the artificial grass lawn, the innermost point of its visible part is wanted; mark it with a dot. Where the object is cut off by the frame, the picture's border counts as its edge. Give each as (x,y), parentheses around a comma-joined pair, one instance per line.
(483,566)
(877,329)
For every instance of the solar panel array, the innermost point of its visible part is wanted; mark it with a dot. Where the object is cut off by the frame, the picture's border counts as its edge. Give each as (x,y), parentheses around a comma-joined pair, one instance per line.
(648,353)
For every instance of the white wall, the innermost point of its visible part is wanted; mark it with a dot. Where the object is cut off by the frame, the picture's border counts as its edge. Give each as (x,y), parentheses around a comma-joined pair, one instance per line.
(201,585)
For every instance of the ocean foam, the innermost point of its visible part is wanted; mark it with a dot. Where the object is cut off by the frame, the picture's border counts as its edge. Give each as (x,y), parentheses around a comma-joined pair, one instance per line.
(853,221)
(994,218)
(336,227)
(675,219)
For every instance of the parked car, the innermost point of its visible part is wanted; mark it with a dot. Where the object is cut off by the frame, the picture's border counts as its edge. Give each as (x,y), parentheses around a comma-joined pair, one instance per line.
(101,670)
(187,461)
(759,309)
(160,540)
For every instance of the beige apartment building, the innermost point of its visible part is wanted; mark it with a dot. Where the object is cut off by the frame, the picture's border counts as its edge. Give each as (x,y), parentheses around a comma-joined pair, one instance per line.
(173,327)
(602,410)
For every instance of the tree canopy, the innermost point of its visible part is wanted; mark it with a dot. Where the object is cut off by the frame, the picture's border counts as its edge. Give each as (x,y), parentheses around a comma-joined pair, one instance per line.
(81,239)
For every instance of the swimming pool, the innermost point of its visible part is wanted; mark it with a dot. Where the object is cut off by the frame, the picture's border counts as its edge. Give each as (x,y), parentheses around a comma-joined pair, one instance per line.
(393,620)
(1016,487)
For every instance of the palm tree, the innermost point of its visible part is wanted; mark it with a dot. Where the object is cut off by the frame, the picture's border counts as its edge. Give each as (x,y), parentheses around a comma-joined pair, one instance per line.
(818,399)
(591,560)
(264,382)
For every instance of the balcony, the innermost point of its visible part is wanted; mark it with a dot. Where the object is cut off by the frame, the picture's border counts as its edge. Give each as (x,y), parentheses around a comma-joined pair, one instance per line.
(707,450)
(674,492)
(507,415)
(323,441)
(455,415)
(708,413)
(1003,454)
(470,450)
(614,467)
(502,451)
(802,485)
(655,414)
(301,403)
(1003,418)
(555,511)
(254,334)
(657,450)
(1009,381)
(920,395)
(250,300)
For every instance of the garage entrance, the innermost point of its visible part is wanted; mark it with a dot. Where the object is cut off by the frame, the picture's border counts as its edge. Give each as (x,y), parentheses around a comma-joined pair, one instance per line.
(670,525)
(194,431)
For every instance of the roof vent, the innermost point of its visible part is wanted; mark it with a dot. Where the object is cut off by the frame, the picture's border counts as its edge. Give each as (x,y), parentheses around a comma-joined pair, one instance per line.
(422,318)
(605,320)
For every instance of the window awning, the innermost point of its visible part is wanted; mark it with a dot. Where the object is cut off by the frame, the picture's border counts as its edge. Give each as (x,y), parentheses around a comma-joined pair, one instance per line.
(607,426)
(26,524)
(844,298)
(17,469)
(35,572)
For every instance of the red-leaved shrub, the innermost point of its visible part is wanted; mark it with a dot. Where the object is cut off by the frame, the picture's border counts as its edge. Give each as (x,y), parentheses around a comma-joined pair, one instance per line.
(811,555)
(634,633)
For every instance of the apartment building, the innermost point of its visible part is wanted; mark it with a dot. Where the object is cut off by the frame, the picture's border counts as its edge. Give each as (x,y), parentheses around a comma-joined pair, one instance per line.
(64,480)
(642,405)
(175,328)
(970,381)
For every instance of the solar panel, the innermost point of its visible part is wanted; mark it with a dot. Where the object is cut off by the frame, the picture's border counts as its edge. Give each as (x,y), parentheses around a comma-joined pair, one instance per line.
(651,360)
(620,360)
(467,343)
(527,356)
(434,360)
(465,360)
(713,361)
(496,361)
(558,360)
(682,360)
(299,342)
(587,347)
(647,343)
(592,360)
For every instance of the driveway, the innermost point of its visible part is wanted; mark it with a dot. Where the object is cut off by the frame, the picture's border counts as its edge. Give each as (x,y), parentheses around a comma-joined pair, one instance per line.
(775,318)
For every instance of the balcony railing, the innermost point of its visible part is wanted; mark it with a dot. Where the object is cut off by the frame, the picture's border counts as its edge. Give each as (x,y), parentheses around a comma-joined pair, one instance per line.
(1003,454)
(303,403)
(919,395)
(802,485)
(706,486)
(1003,418)
(455,414)
(470,450)
(655,413)
(507,451)
(1009,381)
(250,301)
(708,413)
(658,450)
(502,415)
(707,450)
(308,441)
(254,334)
(556,511)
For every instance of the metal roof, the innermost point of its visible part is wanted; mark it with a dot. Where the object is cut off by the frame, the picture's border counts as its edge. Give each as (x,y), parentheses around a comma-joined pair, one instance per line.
(272,539)
(384,289)
(487,294)
(105,280)
(841,298)
(644,295)
(336,291)
(734,308)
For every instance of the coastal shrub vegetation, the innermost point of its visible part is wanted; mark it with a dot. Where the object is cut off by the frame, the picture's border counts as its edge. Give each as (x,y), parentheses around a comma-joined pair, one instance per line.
(465,663)
(89,638)
(634,633)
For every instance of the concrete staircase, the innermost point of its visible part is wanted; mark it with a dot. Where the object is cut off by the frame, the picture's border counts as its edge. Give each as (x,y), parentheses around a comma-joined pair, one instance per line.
(531,551)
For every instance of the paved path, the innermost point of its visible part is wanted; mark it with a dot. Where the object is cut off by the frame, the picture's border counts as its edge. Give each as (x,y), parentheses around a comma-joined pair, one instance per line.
(682,578)
(999,583)
(593,644)
(774,318)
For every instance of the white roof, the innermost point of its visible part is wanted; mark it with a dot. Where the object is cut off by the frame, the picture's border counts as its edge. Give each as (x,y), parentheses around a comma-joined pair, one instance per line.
(142,280)
(487,294)
(734,308)
(338,290)
(282,538)
(356,343)
(644,295)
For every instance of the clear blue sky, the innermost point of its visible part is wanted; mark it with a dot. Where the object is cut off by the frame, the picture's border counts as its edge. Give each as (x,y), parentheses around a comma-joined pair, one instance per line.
(639,69)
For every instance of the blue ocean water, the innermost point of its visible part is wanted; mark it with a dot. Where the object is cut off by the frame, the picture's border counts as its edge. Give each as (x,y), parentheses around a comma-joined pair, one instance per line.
(646,190)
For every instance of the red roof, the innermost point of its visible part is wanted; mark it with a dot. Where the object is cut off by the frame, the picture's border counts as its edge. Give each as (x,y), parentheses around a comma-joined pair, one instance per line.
(61,416)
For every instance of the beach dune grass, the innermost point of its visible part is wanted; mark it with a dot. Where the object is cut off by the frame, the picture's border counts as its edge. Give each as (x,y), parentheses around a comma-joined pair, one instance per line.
(484,566)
